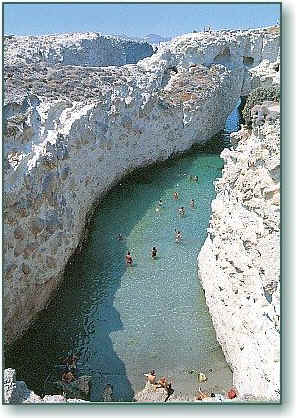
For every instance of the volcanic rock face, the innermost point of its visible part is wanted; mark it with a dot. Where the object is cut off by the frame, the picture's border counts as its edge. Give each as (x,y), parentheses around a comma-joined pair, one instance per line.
(71,132)
(239,264)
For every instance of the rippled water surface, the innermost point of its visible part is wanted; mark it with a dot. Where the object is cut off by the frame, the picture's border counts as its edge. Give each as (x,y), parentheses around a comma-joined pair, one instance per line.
(125,321)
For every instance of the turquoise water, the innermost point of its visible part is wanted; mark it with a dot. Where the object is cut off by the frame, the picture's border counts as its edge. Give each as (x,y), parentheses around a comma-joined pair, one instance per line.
(124,321)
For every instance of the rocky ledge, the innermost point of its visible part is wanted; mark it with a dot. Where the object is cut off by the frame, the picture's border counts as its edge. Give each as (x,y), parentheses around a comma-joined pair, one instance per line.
(239,264)
(72,131)
(152,395)
(17,392)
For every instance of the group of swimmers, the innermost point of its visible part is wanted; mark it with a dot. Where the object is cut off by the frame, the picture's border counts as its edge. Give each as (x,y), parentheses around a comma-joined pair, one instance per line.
(178,234)
(129,260)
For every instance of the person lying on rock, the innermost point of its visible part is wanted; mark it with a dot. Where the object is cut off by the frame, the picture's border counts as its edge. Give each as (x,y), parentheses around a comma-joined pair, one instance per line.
(202,395)
(151,377)
(231,394)
(162,383)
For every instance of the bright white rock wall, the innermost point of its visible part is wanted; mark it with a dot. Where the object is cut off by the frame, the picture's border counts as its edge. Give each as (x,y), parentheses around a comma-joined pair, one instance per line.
(239,264)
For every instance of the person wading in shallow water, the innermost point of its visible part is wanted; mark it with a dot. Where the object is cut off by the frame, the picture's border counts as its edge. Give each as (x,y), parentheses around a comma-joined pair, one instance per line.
(176,195)
(154,253)
(128,259)
(192,203)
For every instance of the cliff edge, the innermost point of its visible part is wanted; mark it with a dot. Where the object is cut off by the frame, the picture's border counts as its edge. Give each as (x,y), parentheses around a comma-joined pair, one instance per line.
(239,264)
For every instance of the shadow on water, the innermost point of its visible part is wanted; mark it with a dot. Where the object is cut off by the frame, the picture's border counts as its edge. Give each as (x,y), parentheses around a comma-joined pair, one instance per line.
(81,316)
(69,324)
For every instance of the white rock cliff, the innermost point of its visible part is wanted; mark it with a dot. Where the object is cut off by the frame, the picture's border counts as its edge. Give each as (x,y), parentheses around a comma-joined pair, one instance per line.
(239,264)
(84,49)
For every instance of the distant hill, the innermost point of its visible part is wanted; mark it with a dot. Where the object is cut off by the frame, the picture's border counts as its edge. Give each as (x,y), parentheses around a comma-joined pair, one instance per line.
(151,38)
(155,39)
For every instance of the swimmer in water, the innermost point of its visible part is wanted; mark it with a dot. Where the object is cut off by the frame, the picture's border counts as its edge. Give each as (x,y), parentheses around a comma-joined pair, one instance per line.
(176,195)
(182,210)
(192,203)
(160,203)
(178,236)
(119,237)
(195,178)
(70,363)
(68,377)
(128,259)
(153,253)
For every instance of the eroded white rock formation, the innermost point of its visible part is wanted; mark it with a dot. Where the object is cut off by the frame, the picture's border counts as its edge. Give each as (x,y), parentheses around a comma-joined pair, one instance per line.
(239,264)
(71,132)
(84,49)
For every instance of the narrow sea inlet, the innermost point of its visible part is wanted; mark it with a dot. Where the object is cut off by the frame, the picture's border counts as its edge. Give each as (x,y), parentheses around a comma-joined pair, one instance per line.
(124,321)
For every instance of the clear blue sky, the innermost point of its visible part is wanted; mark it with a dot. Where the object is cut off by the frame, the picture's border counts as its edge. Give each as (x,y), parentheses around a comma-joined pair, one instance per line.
(134,19)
